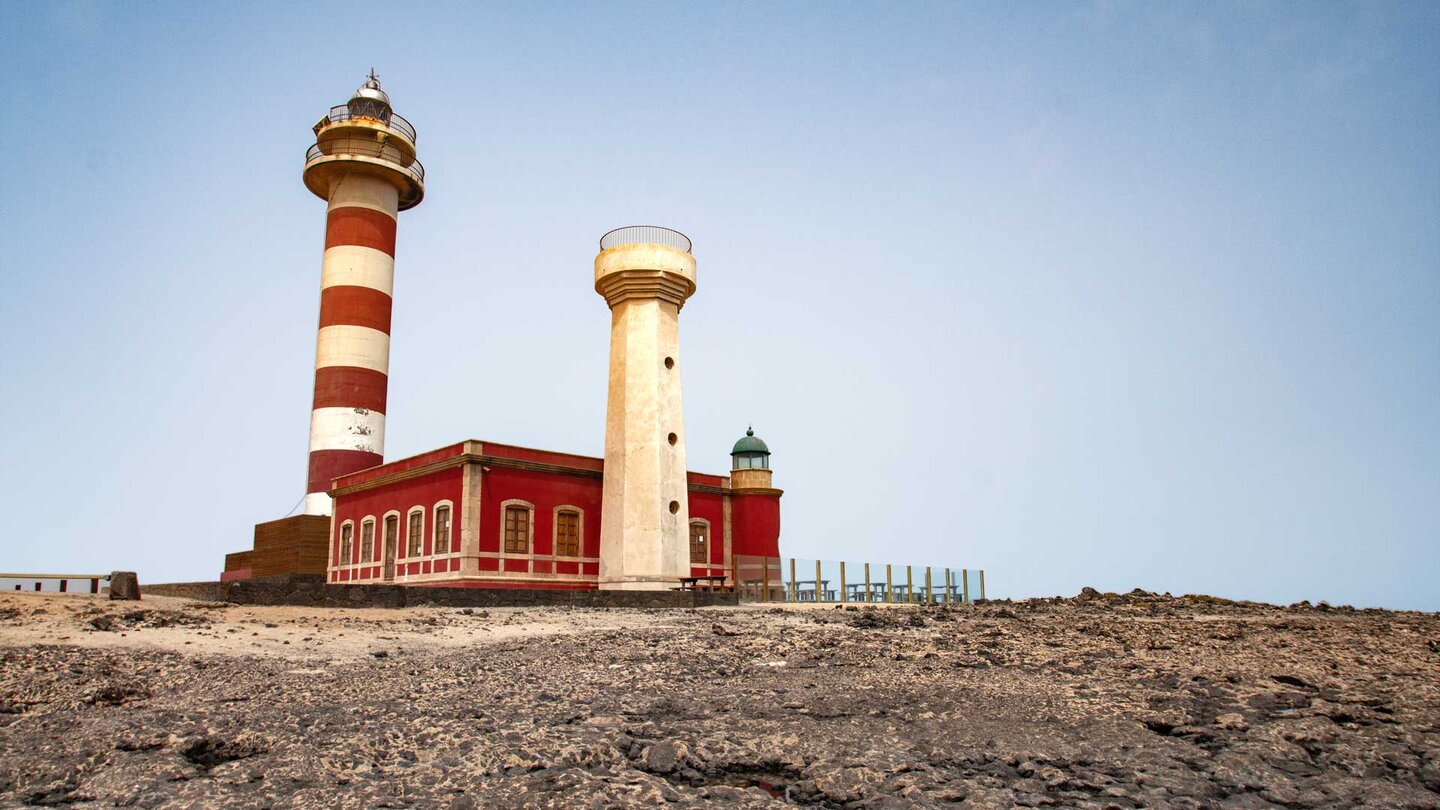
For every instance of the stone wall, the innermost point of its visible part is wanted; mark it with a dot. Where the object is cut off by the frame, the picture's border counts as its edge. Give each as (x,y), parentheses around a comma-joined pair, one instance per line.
(203,591)
(310,590)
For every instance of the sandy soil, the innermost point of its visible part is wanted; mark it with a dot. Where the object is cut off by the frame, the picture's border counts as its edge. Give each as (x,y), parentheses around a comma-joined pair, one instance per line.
(1102,701)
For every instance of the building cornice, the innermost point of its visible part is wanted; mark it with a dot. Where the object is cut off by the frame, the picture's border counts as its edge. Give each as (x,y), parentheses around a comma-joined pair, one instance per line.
(770,491)
(504,463)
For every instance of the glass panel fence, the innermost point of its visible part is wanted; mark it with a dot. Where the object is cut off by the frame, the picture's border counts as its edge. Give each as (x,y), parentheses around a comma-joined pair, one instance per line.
(831,581)
(802,580)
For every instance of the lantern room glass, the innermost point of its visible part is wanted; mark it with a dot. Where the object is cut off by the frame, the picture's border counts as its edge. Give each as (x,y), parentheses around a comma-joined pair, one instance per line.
(746,461)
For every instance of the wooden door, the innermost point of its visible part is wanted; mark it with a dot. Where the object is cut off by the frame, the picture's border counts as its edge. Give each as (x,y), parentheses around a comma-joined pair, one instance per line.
(392,532)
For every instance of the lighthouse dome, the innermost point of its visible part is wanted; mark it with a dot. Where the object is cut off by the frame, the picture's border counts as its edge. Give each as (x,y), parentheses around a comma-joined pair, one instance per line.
(370,91)
(750,443)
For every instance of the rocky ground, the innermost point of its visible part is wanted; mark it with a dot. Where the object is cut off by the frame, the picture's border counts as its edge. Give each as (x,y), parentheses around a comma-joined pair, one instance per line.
(1101,701)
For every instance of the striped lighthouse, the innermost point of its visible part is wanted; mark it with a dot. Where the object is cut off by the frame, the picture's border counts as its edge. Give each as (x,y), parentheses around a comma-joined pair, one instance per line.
(363,165)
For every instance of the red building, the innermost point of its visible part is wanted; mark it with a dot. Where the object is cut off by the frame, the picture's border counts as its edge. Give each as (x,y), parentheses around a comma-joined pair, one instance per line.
(482,514)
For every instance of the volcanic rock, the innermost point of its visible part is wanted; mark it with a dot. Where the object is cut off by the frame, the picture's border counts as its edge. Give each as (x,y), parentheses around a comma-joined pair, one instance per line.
(1107,701)
(124,586)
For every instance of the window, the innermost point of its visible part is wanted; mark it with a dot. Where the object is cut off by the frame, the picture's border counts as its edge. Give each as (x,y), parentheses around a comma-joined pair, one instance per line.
(367,540)
(517,530)
(442,530)
(392,533)
(416,535)
(567,534)
(699,547)
(345,538)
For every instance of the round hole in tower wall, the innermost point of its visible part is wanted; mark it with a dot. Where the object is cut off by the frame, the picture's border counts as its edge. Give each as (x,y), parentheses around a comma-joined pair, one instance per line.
(674,507)
(669,362)
(672,438)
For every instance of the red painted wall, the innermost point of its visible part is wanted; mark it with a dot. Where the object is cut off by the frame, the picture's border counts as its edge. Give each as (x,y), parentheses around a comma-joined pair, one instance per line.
(711,507)
(755,522)
(401,496)
(546,491)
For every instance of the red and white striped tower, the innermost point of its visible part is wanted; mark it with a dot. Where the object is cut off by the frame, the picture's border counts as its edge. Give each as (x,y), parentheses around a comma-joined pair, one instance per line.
(363,164)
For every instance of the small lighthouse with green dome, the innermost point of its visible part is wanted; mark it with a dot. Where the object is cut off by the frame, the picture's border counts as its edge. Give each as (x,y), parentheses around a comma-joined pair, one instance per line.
(750,463)
(755,502)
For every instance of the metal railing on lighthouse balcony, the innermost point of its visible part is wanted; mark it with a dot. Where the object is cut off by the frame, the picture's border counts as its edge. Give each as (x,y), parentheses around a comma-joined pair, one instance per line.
(645,235)
(343,147)
(343,112)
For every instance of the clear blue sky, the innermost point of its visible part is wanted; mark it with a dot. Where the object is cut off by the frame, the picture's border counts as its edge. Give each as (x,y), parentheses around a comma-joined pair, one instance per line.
(1083,294)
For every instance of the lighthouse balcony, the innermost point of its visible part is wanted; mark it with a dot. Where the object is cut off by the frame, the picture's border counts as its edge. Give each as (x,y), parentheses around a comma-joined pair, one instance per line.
(340,154)
(372,113)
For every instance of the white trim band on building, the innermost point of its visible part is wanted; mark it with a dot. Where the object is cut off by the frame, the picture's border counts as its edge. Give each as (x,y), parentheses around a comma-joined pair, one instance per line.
(352,346)
(347,429)
(356,266)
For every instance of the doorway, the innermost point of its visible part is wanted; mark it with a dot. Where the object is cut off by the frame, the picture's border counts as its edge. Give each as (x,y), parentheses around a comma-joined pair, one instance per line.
(392,532)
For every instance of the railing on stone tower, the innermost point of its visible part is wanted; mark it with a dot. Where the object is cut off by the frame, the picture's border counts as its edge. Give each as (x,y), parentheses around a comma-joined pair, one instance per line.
(645,235)
(789,579)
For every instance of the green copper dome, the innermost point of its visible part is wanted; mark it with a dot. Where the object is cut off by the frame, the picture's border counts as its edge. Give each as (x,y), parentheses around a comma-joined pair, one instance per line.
(750,443)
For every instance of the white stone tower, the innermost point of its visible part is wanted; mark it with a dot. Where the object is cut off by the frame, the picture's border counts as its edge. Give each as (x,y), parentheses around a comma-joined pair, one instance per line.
(645,273)
(363,165)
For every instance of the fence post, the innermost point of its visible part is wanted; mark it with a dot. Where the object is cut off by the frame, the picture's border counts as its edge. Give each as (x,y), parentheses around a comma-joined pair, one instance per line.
(965,585)
(982,583)
(909,584)
(889,584)
(817,582)
(793,595)
(929,593)
(867,582)
(843,596)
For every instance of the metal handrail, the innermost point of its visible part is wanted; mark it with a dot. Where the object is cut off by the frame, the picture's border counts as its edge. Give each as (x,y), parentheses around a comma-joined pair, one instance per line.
(645,235)
(392,120)
(343,147)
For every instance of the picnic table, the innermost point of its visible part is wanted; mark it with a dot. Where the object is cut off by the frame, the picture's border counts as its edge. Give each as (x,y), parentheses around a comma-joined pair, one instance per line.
(858,593)
(713,582)
(770,591)
(813,587)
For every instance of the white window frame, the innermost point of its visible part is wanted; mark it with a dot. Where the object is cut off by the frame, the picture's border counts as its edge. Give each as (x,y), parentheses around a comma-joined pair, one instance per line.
(408,542)
(529,529)
(449,528)
(361,539)
(341,560)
